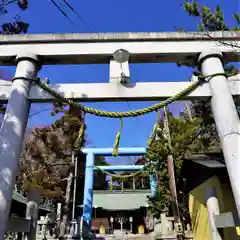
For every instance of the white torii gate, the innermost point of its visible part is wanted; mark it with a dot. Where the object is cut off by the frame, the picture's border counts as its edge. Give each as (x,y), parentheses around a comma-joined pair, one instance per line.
(30,52)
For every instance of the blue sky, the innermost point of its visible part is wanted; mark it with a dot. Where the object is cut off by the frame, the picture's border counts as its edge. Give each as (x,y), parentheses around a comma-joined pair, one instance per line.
(112,16)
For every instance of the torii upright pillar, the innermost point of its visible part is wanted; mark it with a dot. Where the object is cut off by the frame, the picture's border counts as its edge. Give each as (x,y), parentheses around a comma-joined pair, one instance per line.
(12,132)
(226,117)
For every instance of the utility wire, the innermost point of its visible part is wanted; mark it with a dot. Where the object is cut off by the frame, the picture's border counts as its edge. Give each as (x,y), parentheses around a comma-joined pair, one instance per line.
(78,15)
(38,112)
(63,13)
(58,7)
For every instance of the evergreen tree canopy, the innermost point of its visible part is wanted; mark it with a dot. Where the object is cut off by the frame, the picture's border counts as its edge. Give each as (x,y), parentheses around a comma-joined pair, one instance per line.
(209,21)
(185,140)
(189,136)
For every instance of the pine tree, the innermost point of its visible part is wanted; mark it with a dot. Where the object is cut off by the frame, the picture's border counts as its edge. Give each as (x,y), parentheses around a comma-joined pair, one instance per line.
(189,136)
(210,21)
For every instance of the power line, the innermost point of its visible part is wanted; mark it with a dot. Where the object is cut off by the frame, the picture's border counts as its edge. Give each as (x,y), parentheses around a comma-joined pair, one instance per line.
(38,112)
(78,15)
(73,10)
(63,13)
(58,7)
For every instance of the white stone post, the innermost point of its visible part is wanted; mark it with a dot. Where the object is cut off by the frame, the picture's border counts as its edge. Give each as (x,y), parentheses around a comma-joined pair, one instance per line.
(59,212)
(119,72)
(75,162)
(12,132)
(121,223)
(226,117)
(164,225)
(32,212)
(131,223)
(111,221)
(213,210)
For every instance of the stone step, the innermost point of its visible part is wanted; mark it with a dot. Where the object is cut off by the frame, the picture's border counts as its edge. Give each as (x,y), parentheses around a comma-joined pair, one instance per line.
(126,237)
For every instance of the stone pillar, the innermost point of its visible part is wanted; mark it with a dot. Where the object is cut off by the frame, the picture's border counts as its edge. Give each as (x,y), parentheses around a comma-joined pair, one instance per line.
(88,189)
(213,210)
(226,117)
(121,223)
(59,212)
(134,186)
(81,228)
(12,132)
(111,221)
(131,223)
(75,162)
(32,212)
(164,225)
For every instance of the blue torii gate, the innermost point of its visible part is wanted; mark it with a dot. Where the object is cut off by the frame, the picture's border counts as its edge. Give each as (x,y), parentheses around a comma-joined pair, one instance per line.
(89,174)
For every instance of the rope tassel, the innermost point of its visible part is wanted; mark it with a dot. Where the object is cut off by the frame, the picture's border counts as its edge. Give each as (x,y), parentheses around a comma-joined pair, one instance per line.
(79,141)
(117,140)
(155,132)
(153,135)
(122,185)
(111,184)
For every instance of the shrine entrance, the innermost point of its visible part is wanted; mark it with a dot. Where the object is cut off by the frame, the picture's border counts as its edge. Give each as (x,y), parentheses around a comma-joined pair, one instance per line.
(119,50)
(125,210)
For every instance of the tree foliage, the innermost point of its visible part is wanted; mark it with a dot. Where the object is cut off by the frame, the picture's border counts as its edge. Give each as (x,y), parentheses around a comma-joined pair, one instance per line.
(189,136)
(185,140)
(210,20)
(16,25)
(46,159)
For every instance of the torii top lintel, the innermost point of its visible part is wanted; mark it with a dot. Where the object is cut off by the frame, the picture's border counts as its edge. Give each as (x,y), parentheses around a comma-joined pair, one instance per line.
(87,48)
(128,151)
